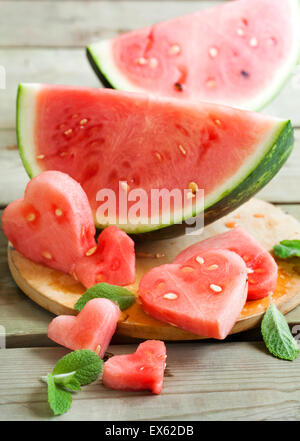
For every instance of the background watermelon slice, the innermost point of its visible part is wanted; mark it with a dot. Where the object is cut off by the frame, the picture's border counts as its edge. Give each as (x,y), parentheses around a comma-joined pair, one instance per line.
(101,137)
(239,53)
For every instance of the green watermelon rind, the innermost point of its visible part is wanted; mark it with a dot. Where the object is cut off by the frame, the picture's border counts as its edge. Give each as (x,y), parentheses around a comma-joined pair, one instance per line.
(255,174)
(100,57)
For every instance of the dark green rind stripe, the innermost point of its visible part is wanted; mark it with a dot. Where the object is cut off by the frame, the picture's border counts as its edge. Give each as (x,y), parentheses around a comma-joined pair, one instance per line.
(96,66)
(270,165)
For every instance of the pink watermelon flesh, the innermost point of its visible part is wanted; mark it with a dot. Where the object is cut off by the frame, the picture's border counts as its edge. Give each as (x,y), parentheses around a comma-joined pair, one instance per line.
(102,137)
(53,224)
(262,268)
(231,54)
(92,329)
(203,298)
(113,262)
(142,370)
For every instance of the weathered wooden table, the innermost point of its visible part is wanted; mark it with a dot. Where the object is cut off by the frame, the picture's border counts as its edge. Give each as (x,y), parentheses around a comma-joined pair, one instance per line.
(43,41)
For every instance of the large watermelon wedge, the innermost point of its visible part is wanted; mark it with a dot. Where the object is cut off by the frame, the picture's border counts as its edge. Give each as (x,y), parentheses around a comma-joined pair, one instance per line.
(239,53)
(101,137)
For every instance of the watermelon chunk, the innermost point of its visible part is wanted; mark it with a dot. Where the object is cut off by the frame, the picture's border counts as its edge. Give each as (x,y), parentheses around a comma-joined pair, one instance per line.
(240,53)
(204,297)
(142,370)
(262,268)
(57,230)
(104,137)
(92,329)
(113,261)
(53,224)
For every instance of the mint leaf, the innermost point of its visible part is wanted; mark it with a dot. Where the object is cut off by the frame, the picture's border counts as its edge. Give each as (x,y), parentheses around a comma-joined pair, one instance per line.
(68,381)
(287,248)
(59,399)
(277,335)
(84,365)
(117,294)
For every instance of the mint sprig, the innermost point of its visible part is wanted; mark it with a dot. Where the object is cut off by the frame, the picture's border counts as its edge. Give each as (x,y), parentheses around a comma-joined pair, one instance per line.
(277,335)
(287,249)
(72,371)
(117,294)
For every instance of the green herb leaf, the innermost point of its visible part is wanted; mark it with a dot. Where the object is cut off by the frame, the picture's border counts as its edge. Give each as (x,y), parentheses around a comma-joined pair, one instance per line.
(116,294)
(84,365)
(287,248)
(59,399)
(68,381)
(277,335)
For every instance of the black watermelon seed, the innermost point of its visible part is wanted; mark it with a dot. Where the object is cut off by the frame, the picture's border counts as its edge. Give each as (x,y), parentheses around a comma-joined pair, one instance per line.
(245,74)
(178,87)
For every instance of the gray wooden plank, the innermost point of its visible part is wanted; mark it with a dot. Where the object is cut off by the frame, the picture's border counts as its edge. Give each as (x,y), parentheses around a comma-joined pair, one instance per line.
(78,23)
(26,323)
(284,188)
(205,381)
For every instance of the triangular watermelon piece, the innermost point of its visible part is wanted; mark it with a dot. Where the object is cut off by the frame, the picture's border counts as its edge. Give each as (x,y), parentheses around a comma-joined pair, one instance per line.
(238,53)
(128,143)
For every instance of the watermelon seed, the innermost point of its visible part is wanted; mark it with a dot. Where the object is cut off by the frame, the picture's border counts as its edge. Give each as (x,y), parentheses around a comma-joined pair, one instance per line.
(75,276)
(83,121)
(100,278)
(246,258)
(181,148)
(245,74)
(62,154)
(175,49)
(68,132)
(213,267)
(178,87)
(193,186)
(187,269)
(252,281)
(91,251)
(231,224)
(82,231)
(215,288)
(40,156)
(259,271)
(240,32)
(142,61)
(159,255)
(250,271)
(98,349)
(170,296)
(210,83)
(158,156)
(153,62)
(213,52)
(218,122)
(30,217)
(253,42)
(200,260)
(258,215)
(47,255)
(142,368)
(58,212)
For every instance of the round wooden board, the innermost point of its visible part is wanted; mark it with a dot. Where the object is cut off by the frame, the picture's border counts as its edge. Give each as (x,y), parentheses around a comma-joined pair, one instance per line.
(58,292)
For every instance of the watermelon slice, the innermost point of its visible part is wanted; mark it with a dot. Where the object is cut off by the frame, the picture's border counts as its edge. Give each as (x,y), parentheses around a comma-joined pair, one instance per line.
(104,137)
(204,297)
(262,268)
(239,53)
(142,370)
(112,262)
(92,329)
(57,230)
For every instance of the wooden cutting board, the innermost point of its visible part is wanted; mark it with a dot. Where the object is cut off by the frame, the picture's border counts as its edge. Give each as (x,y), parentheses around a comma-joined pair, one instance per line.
(58,292)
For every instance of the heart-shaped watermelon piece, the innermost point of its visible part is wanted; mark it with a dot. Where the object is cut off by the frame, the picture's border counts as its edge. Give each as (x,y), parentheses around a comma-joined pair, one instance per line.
(92,329)
(142,370)
(113,261)
(204,297)
(262,268)
(53,224)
